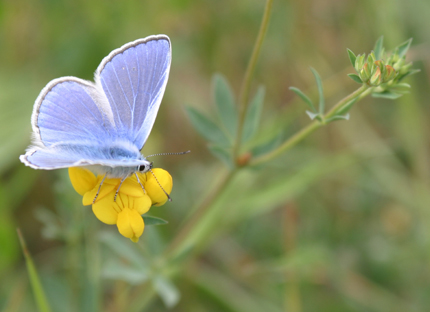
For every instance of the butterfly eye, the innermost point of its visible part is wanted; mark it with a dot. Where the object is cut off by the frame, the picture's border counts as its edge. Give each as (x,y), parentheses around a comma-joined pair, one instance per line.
(142,168)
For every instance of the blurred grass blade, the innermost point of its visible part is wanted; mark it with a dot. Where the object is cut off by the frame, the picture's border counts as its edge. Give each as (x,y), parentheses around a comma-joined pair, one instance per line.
(207,128)
(118,269)
(149,220)
(222,154)
(36,285)
(404,47)
(379,49)
(352,57)
(166,290)
(304,98)
(356,78)
(225,104)
(253,115)
(123,249)
(230,293)
(320,91)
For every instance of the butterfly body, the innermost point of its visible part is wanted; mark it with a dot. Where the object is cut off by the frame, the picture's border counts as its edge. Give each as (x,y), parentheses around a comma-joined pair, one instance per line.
(102,124)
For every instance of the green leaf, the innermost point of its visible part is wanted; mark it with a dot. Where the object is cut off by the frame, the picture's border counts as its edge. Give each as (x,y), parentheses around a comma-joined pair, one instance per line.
(320,91)
(356,78)
(118,269)
(378,50)
(401,85)
(386,95)
(149,220)
(403,48)
(123,248)
(268,146)
(207,128)
(304,98)
(252,118)
(345,108)
(166,290)
(311,115)
(224,100)
(338,117)
(411,72)
(352,57)
(222,154)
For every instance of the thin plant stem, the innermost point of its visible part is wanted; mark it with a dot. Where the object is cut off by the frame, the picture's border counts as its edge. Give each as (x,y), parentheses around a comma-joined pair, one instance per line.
(303,133)
(244,92)
(207,203)
(360,93)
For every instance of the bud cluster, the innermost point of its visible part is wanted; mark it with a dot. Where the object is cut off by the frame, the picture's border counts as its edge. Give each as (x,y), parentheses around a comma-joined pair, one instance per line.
(383,70)
(374,72)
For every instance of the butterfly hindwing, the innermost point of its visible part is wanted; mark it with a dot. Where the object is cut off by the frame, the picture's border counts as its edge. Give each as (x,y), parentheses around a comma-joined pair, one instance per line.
(68,109)
(134,78)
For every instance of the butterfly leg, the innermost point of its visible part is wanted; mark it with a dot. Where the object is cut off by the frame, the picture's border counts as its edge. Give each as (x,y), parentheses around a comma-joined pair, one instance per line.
(100,186)
(144,192)
(117,190)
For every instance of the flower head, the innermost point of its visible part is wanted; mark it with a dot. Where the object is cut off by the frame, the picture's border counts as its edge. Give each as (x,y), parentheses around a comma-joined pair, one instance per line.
(131,201)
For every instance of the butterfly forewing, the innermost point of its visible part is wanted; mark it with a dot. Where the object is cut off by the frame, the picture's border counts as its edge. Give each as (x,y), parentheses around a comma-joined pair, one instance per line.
(134,78)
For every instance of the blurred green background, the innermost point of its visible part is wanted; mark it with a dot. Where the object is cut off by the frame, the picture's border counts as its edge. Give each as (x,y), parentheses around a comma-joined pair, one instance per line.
(339,223)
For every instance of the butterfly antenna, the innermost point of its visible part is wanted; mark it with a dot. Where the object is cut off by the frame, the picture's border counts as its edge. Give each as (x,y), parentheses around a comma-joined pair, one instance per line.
(170,199)
(162,154)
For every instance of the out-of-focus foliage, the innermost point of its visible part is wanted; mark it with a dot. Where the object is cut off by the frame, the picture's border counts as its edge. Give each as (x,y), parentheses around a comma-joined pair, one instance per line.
(339,223)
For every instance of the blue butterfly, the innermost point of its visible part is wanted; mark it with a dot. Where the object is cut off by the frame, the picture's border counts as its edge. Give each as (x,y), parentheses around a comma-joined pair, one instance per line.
(102,124)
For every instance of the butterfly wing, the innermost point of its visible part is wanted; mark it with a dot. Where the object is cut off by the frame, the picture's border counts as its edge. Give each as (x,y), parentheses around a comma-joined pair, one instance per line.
(134,78)
(68,111)
(76,122)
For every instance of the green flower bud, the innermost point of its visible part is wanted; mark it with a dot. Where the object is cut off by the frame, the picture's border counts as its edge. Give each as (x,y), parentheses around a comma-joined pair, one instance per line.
(365,73)
(359,62)
(398,64)
(389,74)
(376,78)
(405,68)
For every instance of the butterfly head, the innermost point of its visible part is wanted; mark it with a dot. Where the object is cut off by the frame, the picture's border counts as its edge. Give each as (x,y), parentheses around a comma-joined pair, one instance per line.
(145,167)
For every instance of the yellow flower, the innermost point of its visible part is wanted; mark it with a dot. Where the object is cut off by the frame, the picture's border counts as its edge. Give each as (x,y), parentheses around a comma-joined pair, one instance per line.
(131,201)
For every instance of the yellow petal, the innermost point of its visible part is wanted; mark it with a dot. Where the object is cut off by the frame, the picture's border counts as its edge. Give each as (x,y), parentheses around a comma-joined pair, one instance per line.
(154,190)
(142,177)
(131,187)
(106,210)
(141,204)
(105,189)
(83,180)
(130,224)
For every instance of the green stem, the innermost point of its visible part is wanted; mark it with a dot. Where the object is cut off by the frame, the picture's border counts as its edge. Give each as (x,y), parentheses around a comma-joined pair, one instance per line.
(360,93)
(303,133)
(176,246)
(244,93)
